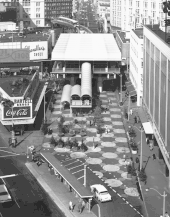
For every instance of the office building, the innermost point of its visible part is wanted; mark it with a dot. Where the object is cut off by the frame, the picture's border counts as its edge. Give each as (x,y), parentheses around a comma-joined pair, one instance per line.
(131,14)
(156,88)
(136,62)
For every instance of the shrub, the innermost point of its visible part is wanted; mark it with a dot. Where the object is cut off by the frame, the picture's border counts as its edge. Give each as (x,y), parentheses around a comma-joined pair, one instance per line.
(44,128)
(142,175)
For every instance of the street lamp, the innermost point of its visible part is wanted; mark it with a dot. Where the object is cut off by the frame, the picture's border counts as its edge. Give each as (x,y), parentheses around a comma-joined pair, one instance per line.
(162,195)
(141,147)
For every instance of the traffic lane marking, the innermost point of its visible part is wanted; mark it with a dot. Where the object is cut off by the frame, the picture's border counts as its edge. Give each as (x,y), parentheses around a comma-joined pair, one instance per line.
(75,167)
(77,171)
(10,155)
(70,163)
(9,152)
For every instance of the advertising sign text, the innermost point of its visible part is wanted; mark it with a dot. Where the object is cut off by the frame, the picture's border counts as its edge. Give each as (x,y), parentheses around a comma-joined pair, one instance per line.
(14,55)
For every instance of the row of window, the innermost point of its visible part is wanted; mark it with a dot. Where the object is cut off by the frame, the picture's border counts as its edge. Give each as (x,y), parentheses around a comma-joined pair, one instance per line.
(145,4)
(59,11)
(57,3)
(58,8)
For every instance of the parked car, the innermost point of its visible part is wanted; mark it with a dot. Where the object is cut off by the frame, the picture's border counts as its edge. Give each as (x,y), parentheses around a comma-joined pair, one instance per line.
(4,194)
(100,192)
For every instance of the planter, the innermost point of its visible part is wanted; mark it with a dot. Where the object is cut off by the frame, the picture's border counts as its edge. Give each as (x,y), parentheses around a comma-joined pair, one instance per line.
(83,134)
(61,134)
(71,134)
(98,135)
(134,151)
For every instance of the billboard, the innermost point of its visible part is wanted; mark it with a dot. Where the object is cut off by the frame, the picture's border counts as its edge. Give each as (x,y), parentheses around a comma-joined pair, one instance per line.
(22,109)
(38,49)
(14,55)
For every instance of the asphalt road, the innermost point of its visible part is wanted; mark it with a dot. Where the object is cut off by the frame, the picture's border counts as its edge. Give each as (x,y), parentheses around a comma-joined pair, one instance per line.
(88,17)
(29,199)
(117,207)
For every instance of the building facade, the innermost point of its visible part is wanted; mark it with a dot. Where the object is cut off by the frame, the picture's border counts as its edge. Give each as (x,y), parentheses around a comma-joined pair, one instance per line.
(136,62)
(58,8)
(131,14)
(156,88)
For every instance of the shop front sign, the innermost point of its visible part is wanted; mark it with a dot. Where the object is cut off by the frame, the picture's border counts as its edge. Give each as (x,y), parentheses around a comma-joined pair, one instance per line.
(14,55)
(22,109)
(38,49)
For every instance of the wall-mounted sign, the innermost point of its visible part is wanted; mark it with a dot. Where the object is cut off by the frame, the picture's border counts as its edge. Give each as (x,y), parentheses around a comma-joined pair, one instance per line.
(21,102)
(22,112)
(14,55)
(38,49)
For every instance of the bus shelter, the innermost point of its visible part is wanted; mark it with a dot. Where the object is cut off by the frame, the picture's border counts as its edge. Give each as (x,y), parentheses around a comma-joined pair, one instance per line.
(68,179)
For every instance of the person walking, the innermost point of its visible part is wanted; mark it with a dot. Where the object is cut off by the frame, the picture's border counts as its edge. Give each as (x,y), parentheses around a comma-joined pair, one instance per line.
(79,207)
(106,130)
(154,157)
(83,204)
(131,111)
(71,206)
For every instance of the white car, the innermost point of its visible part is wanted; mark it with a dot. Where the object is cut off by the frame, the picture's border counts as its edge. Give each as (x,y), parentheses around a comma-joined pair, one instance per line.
(4,194)
(101,193)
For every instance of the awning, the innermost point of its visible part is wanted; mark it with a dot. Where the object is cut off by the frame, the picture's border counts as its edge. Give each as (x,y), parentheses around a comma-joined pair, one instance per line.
(71,180)
(86,80)
(147,128)
(130,88)
(76,90)
(66,94)
(142,115)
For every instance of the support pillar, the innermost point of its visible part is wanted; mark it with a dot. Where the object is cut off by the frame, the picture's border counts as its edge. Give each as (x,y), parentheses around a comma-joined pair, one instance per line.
(64,75)
(107,76)
(90,200)
(57,75)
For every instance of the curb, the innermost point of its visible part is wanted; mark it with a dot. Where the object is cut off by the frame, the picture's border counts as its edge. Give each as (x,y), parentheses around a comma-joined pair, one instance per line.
(49,191)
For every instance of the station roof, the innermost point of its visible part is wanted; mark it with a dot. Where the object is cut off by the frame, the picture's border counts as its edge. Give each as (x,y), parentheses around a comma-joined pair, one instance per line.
(86,47)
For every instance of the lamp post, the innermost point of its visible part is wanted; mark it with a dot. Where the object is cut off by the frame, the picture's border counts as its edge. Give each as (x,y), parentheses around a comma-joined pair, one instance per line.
(141,147)
(85,175)
(162,195)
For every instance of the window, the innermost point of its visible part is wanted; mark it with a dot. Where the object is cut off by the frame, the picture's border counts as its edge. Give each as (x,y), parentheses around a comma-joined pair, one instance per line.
(37,9)
(141,63)
(37,3)
(37,15)
(37,22)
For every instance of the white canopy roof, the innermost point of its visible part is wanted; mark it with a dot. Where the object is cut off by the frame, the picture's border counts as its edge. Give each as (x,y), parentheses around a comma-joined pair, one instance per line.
(66,94)
(76,90)
(90,47)
(147,128)
(86,80)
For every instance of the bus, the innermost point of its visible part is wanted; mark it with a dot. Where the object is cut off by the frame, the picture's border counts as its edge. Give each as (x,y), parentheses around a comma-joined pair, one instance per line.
(71,21)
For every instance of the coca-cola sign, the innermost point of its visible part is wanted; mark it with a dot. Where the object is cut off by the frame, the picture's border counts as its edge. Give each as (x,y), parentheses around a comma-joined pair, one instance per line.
(17,112)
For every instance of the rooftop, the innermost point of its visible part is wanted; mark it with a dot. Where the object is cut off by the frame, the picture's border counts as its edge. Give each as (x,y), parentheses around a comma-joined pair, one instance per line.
(139,32)
(156,30)
(86,47)
(123,36)
(7,37)
(6,85)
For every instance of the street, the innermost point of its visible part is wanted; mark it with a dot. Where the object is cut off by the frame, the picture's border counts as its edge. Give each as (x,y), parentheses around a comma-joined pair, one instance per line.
(87,17)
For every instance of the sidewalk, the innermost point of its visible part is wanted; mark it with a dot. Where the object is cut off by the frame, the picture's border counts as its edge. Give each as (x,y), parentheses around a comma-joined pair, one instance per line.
(155,175)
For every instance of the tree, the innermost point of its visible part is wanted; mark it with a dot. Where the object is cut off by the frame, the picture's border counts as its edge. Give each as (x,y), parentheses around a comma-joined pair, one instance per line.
(98,118)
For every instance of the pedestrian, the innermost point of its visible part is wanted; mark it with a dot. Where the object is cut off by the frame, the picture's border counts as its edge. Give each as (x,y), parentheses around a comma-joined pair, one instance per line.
(71,206)
(109,100)
(126,115)
(151,146)
(90,123)
(79,207)
(96,145)
(166,214)
(154,157)
(106,129)
(147,140)
(131,111)
(135,120)
(83,204)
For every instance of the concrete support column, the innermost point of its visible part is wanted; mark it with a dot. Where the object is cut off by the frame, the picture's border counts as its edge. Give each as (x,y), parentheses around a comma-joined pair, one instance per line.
(64,75)
(108,76)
